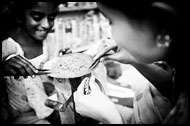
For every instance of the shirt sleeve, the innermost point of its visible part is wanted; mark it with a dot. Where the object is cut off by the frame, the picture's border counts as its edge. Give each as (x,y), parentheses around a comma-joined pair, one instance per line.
(9,47)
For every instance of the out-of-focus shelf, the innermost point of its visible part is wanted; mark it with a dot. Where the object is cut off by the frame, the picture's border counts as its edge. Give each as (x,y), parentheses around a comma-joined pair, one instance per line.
(64,9)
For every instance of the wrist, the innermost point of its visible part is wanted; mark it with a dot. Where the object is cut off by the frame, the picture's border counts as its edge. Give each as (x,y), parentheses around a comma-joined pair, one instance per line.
(111,115)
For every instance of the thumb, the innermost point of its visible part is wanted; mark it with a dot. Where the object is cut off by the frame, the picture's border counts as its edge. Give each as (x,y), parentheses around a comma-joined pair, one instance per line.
(114,56)
(68,50)
(92,83)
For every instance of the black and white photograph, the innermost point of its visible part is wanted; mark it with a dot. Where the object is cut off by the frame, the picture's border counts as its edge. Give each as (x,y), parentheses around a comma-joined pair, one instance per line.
(91,63)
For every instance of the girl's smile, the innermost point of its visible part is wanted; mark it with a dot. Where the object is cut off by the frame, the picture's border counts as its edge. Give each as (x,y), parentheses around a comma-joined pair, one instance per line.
(39,20)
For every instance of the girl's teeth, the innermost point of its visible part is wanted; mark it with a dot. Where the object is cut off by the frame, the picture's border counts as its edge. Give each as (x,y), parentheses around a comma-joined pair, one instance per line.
(42,31)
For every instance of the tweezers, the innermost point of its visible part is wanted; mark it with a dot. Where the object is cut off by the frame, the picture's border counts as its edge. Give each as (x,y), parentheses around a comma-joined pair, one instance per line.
(58,106)
(43,71)
(94,64)
(64,106)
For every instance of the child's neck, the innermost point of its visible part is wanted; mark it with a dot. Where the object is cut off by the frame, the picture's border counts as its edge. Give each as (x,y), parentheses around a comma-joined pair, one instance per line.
(32,48)
(24,39)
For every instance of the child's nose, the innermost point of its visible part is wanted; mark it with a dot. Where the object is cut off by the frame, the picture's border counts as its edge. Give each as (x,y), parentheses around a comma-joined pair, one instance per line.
(45,23)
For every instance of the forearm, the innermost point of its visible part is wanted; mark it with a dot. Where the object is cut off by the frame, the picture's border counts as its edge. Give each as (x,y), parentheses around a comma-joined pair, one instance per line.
(111,115)
(160,78)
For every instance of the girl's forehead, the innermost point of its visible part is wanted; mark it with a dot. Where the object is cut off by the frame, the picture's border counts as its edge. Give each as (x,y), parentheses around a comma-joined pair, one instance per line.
(44,7)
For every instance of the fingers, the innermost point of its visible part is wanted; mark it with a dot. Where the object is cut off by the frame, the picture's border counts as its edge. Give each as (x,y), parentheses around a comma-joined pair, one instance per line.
(64,51)
(19,66)
(110,57)
(92,79)
(28,64)
(11,68)
(68,50)
(101,53)
(14,67)
(12,72)
(26,68)
(107,45)
(93,84)
(20,70)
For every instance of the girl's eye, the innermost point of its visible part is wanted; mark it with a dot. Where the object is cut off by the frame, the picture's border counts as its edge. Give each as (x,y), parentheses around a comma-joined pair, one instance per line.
(51,18)
(37,17)
(111,23)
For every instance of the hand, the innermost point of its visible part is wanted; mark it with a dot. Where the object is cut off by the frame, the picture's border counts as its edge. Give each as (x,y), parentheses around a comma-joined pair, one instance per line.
(64,51)
(95,105)
(121,55)
(18,66)
(106,46)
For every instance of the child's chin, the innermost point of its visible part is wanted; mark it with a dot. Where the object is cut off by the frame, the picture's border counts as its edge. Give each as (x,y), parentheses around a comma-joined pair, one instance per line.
(41,38)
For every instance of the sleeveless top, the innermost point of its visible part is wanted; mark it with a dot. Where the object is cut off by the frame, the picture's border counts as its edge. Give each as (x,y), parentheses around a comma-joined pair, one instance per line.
(26,94)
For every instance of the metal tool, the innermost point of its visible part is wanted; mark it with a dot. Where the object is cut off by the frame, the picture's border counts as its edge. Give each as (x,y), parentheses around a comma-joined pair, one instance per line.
(64,106)
(43,71)
(97,61)
(100,85)
(94,64)
(58,106)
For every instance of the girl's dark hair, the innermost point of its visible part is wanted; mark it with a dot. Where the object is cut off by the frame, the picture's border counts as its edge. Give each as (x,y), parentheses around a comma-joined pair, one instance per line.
(19,7)
(11,10)
(16,8)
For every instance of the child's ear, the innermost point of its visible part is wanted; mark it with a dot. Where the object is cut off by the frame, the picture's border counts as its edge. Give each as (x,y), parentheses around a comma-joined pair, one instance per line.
(164,15)
(163,41)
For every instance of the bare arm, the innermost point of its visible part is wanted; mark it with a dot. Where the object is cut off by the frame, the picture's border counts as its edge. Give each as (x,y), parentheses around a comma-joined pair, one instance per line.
(159,77)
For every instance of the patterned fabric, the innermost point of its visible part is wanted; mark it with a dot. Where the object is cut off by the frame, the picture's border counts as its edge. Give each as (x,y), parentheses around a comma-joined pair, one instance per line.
(23,93)
(29,94)
(179,114)
(149,105)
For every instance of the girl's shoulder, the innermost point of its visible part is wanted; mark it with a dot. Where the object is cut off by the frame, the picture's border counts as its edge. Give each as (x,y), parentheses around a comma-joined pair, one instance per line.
(10,46)
(9,41)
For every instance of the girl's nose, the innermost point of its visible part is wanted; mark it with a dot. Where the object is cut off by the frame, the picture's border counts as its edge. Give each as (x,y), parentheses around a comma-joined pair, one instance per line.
(45,23)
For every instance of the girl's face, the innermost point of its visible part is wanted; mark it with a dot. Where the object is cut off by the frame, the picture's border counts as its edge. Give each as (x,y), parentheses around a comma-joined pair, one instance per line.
(39,20)
(137,37)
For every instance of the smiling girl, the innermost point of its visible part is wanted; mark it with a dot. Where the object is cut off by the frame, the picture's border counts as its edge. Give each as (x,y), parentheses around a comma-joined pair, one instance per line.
(22,54)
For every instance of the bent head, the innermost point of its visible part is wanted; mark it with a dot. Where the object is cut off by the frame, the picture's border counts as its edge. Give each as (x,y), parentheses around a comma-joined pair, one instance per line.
(143,29)
(37,18)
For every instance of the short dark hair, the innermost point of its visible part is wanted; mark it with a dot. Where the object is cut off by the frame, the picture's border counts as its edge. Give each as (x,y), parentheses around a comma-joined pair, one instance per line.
(15,8)
(19,7)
